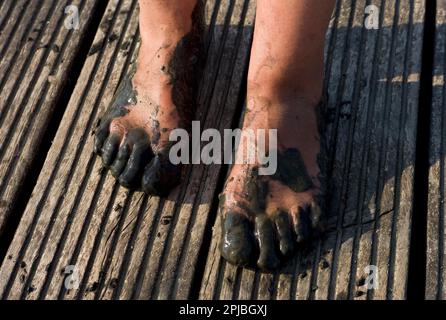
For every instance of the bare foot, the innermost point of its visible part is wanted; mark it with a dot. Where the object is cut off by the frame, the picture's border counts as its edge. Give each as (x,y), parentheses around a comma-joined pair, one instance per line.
(156,97)
(265,217)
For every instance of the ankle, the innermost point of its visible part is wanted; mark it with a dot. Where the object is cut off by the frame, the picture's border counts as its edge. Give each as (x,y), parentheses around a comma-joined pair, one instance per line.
(159,39)
(154,56)
(283,91)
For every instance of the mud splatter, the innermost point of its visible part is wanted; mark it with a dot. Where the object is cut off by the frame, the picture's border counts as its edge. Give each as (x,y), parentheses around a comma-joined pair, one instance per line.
(292,172)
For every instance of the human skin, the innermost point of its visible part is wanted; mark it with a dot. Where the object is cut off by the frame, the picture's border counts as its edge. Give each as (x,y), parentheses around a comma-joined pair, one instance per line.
(156,97)
(264,218)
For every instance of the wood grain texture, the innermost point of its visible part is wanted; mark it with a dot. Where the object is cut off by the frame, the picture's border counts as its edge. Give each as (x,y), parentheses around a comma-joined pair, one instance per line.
(435,253)
(372,80)
(124,244)
(37,52)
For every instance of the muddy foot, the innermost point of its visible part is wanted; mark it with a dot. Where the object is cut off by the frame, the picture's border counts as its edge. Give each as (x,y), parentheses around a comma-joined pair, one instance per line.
(157,96)
(266,217)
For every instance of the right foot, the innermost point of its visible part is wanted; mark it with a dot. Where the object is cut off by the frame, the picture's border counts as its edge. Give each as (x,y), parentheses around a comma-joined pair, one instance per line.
(156,97)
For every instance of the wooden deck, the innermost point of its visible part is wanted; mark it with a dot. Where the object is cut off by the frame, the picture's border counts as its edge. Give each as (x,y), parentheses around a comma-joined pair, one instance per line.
(59,210)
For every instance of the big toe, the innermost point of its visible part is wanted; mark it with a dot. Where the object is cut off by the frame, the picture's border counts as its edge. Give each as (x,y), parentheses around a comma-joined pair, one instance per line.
(237,243)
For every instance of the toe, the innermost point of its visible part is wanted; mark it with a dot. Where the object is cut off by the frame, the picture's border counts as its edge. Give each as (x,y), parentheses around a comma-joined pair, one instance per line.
(131,175)
(110,149)
(285,233)
(121,160)
(237,243)
(265,233)
(315,215)
(318,222)
(137,158)
(160,176)
(302,224)
(152,176)
(101,134)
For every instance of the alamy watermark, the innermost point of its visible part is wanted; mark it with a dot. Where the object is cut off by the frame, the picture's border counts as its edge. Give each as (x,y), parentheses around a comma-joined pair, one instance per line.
(372,20)
(72,19)
(71,281)
(250,146)
(371,281)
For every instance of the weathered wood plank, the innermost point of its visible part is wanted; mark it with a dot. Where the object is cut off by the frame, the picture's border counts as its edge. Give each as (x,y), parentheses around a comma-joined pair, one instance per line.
(124,244)
(372,79)
(37,52)
(435,254)
(40,228)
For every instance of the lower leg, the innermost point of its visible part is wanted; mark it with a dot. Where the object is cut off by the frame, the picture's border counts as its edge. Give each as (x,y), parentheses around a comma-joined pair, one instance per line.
(156,17)
(288,46)
(163,23)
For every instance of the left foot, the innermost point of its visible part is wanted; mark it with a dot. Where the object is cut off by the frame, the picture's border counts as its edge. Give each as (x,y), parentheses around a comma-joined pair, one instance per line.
(265,217)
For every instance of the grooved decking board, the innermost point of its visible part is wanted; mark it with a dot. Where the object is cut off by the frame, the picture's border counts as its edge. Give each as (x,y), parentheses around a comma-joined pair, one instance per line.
(36,54)
(372,78)
(435,254)
(123,244)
